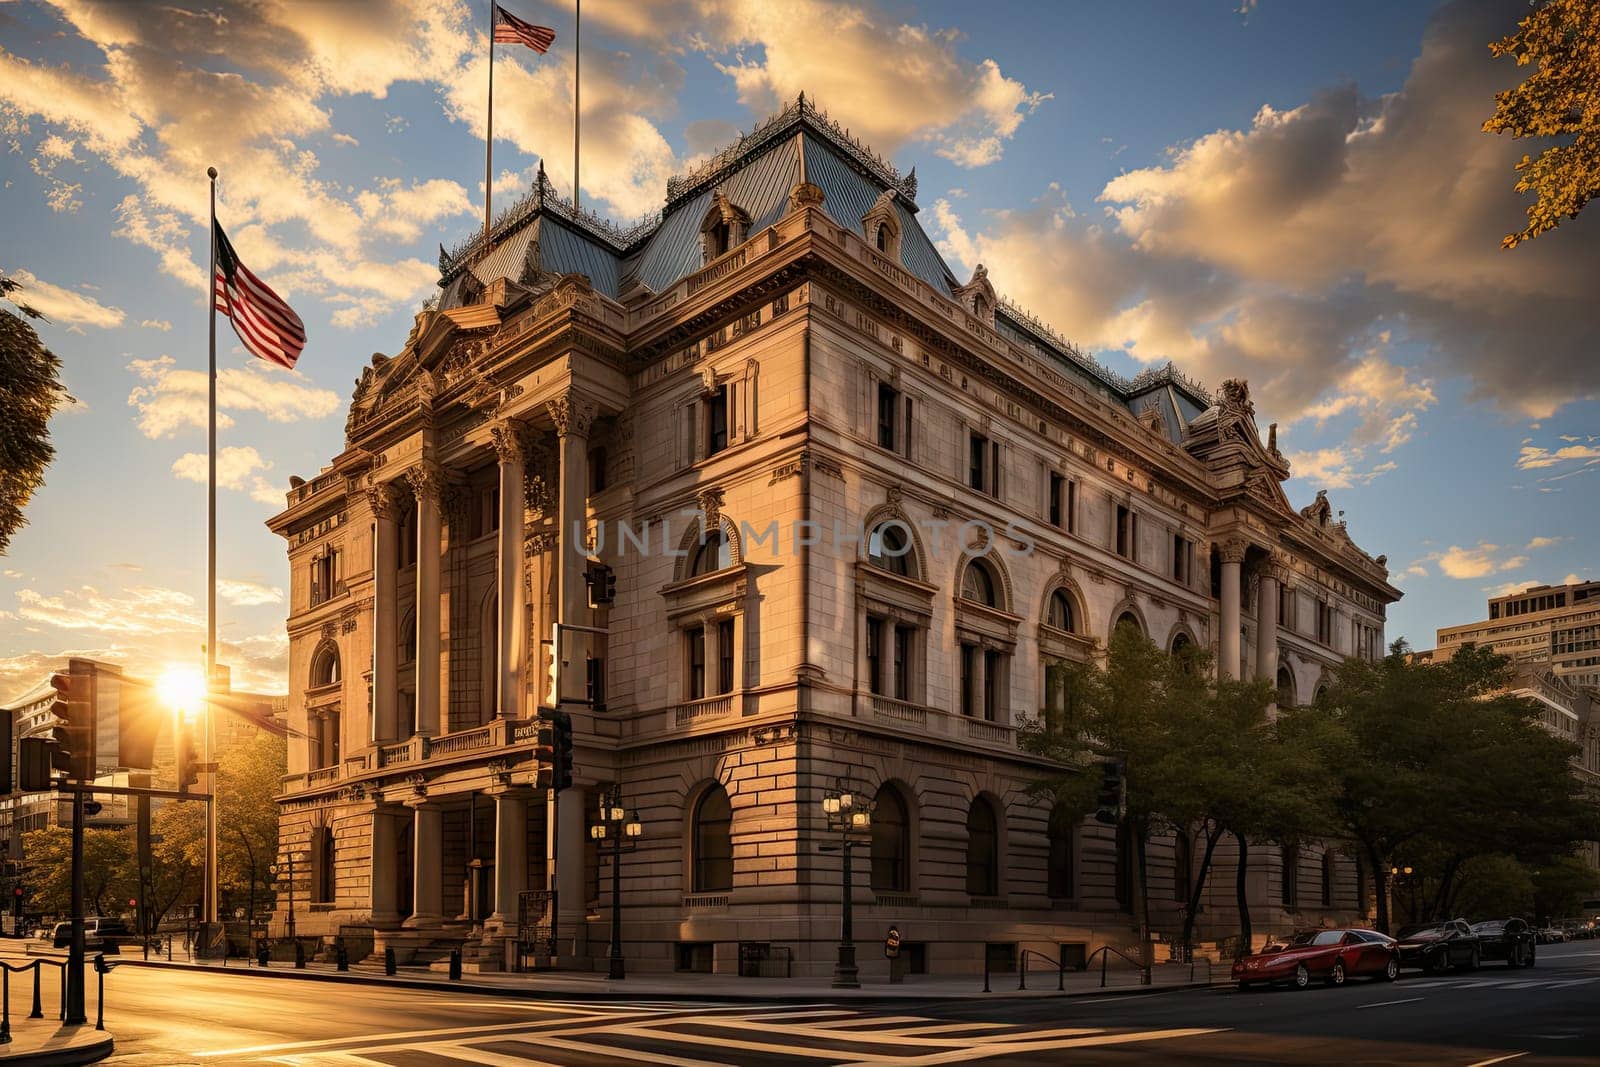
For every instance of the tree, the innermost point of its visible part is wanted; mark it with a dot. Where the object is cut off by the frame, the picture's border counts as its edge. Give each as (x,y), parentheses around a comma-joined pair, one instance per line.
(109,881)
(1561,885)
(1560,99)
(30,390)
(250,777)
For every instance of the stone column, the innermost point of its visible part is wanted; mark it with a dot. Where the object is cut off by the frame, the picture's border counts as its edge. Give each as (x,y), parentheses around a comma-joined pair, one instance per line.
(510,856)
(427,856)
(1232,553)
(385,635)
(385,874)
(508,446)
(572,414)
(427,481)
(1267,624)
(713,656)
(571,831)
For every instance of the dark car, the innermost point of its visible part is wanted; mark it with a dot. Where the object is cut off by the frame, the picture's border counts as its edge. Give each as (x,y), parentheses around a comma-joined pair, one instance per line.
(1332,955)
(1511,940)
(1441,946)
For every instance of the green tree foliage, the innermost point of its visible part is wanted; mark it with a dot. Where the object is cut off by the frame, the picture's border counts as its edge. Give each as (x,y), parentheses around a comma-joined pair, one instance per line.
(30,390)
(108,872)
(1560,99)
(1436,765)
(1561,885)
(250,778)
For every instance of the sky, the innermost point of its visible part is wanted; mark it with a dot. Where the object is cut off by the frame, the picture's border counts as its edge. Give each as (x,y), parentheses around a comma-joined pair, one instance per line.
(1295,194)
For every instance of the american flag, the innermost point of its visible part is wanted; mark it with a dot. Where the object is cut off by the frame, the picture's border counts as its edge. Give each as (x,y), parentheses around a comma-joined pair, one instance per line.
(508,29)
(268,327)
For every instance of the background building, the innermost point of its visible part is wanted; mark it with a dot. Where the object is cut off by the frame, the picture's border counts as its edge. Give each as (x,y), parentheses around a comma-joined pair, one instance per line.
(854,505)
(1557,626)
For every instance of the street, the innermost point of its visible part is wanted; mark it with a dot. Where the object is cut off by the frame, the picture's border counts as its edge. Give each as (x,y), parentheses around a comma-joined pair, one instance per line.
(170,1017)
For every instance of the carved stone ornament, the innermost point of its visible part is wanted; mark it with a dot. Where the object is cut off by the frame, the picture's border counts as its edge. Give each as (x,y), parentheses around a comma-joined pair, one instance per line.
(507,441)
(894,496)
(1319,510)
(1232,550)
(708,379)
(427,481)
(384,499)
(347,621)
(710,502)
(426,387)
(572,413)
(353,793)
(418,784)
(805,194)
(329,630)
(1236,396)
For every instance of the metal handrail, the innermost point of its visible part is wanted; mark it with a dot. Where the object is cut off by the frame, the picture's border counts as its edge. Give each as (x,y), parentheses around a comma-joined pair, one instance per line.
(1104,950)
(1022,968)
(8,969)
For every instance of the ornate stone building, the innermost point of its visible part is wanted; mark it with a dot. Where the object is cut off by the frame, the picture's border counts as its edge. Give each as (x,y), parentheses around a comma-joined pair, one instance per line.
(854,507)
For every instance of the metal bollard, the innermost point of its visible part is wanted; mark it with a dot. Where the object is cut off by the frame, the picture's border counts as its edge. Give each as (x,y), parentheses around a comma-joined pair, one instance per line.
(299,955)
(38,1008)
(63,971)
(5,1013)
(100,993)
(455,965)
(342,957)
(986,968)
(263,953)
(388,962)
(169,948)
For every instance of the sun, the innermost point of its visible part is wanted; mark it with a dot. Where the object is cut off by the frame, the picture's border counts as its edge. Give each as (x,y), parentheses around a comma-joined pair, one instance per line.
(182,689)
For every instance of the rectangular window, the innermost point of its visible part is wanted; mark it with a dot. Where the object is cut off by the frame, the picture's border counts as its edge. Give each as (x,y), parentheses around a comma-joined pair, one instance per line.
(717,421)
(1286,618)
(969,679)
(994,469)
(1058,501)
(1324,622)
(1127,533)
(978,462)
(1072,506)
(596,666)
(875,655)
(1182,558)
(697,662)
(888,410)
(725,656)
(906,444)
(902,662)
(991,685)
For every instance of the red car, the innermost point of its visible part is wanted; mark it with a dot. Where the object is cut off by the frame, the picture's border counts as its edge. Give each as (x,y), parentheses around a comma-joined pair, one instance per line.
(1332,955)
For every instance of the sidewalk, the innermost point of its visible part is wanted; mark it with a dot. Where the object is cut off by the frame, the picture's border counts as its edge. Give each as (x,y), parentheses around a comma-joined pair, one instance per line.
(588,985)
(49,1042)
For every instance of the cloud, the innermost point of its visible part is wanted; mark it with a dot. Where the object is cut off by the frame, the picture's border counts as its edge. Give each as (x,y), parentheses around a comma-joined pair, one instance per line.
(136,610)
(237,469)
(176,399)
(63,305)
(1285,251)
(156,324)
(1335,468)
(1534,457)
(1478,561)
(247,594)
(1516,587)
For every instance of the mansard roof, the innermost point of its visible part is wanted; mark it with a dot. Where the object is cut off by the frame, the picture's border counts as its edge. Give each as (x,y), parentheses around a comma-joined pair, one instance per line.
(543,233)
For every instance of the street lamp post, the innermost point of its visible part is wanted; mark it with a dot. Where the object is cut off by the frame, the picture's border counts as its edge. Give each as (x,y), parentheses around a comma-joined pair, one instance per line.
(622,828)
(1403,876)
(850,817)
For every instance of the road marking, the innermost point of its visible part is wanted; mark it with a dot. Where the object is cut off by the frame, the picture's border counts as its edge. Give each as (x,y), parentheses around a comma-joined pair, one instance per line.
(662,1028)
(863,1020)
(802,1014)
(1498,1059)
(1391,1003)
(1570,982)
(945,1028)
(401,1037)
(1017,1048)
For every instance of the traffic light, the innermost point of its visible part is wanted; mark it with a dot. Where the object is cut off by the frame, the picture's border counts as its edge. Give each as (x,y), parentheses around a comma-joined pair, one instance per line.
(8,723)
(33,765)
(139,719)
(1108,809)
(602,582)
(562,766)
(72,734)
(188,758)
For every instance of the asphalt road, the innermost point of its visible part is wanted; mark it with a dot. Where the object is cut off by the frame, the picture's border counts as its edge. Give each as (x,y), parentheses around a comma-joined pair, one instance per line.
(1548,1015)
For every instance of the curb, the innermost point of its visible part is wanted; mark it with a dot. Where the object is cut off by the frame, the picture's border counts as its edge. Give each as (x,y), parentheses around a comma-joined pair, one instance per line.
(609,994)
(79,1052)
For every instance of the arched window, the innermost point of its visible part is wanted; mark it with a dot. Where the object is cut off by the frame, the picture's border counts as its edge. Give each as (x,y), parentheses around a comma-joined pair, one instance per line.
(1182,866)
(1330,868)
(327,867)
(983,849)
(978,584)
(408,638)
(1124,867)
(891,842)
(713,842)
(407,543)
(1181,644)
(325,666)
(883,238)
(713,554)
(1285,686)
(889,548)
(1128,618)
(1059,614)
(1061,877)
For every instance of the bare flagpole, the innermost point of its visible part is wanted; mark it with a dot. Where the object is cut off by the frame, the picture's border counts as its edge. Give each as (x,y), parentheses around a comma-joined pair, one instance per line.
(488,154)
(577,72)
(210,892)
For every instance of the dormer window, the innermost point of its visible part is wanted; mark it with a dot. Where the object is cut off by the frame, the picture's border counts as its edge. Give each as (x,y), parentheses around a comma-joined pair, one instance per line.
(883,239)
(723,229)
(881,226)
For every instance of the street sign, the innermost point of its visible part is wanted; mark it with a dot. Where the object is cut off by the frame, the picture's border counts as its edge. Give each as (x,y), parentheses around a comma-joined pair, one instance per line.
(92,808)
(891,943)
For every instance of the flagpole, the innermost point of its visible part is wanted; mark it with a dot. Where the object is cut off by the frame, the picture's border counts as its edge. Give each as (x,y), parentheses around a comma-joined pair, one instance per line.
(488,154)
(210,893)
(577,80)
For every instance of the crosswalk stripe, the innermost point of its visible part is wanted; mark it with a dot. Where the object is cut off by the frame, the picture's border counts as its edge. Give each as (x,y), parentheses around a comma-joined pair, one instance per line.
(1022,1047)
(402,1037)
(679,1037)
(866,1021)
(940,1028)
(802,1014)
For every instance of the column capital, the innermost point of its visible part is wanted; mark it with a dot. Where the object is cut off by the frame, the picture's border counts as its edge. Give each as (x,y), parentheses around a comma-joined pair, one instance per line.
(506,437)
(427,481)
(384,498)
(572,412)
(1233,549)
(1277,569)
